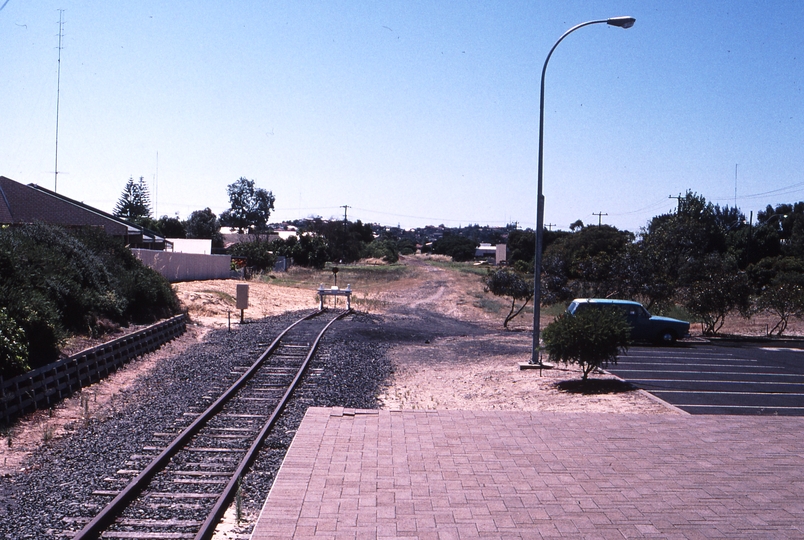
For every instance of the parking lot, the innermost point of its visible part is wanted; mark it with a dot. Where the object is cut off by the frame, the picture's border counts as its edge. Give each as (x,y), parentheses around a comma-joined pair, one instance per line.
(723,378)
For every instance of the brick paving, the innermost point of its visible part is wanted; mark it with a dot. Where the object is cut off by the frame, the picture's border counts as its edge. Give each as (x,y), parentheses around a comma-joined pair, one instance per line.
(358,474)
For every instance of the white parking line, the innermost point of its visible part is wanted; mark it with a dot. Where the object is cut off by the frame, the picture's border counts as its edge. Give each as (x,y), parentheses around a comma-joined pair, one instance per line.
(727,393)
(781,349)
(682,357)
(620,371)
(760,407)
(707,381)
(646,364)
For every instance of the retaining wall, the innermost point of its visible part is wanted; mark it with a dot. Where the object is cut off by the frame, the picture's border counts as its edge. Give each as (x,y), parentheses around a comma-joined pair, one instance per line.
(186,266)
(44,387)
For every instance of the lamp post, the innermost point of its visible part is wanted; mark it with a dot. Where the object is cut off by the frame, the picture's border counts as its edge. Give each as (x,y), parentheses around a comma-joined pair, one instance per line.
(622,22)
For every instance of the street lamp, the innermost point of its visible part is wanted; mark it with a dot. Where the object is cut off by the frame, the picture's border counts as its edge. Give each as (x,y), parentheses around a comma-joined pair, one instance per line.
(622,22)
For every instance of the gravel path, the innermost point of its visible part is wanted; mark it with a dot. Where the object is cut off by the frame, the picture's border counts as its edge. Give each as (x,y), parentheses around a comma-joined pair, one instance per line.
(63,473)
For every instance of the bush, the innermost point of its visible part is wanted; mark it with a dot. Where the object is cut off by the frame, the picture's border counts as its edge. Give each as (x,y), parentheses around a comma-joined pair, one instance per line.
(305,250)
(259,254)
(591,338)
(511,284)
(383,249)
(143,294)
(13,347)
(54,282)
(460,248)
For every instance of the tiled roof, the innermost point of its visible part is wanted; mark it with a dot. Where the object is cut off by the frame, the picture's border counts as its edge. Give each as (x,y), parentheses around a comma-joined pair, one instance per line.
(27,204)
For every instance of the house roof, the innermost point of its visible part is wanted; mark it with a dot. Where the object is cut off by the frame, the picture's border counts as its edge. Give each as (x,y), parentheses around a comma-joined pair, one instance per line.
(27,204)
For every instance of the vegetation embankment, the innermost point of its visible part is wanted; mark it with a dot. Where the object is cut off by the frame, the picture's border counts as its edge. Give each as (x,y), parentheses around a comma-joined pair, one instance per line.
(56,282)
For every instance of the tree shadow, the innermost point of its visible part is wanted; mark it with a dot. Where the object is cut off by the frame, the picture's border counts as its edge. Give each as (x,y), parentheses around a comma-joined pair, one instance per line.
(595,386)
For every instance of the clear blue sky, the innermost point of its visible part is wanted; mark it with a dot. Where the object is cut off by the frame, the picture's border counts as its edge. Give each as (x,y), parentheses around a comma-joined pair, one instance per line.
(410,112)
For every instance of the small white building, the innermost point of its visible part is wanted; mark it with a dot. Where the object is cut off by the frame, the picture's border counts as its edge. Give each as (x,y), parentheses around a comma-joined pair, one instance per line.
(201,246)
(493,254)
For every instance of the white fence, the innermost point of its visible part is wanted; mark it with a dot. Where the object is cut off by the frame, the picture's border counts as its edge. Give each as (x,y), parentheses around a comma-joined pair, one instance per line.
(186,266)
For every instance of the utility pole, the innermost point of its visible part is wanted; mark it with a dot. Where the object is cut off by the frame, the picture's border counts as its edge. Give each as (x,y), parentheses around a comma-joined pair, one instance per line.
(344,206)
(58,93)
(550,226)
(599,217)
(679,201)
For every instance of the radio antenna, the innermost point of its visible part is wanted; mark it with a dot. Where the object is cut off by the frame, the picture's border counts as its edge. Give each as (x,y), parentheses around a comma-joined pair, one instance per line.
(58,93)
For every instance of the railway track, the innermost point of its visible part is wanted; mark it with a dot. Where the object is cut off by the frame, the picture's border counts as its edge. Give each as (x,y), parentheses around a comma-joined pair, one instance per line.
(181,486)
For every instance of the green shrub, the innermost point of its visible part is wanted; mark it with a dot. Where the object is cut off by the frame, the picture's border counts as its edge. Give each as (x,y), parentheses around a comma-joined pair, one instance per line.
(383,249)
(142,294)
(460,248)
(590,339)
(258,252)
(13,347)
(512,284)
(54,282)
(307,250)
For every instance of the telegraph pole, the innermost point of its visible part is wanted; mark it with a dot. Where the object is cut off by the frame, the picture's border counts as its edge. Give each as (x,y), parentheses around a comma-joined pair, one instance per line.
(599,217)
(345,207)
(58,93)
(679,201)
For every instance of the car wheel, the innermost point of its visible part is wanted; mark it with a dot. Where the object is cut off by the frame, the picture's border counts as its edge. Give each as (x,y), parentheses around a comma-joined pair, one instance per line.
(668,337)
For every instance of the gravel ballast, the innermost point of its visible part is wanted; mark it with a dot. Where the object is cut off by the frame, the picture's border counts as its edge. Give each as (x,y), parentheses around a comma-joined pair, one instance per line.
(39,502)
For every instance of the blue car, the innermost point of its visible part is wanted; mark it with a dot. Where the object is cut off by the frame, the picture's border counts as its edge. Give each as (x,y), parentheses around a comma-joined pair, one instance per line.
(644,326)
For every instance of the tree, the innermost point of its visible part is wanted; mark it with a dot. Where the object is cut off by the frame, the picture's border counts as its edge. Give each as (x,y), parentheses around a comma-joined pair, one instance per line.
(383,249)
(779,282)
(674,244)
(511,284)
(204,224)
(346,240)
(250,207)
(171,227)
(586,257)
(714,288)
(590,339)
(258,253)
(406,246)
(134,203)
(521,246)
(309,250)
(460,248)
(640,276)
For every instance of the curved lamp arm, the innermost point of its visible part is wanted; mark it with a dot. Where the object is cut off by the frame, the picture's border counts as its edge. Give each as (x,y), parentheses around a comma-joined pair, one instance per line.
(622,22)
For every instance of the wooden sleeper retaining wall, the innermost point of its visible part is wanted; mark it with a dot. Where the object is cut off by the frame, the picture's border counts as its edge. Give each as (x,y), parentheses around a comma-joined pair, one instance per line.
(43,387)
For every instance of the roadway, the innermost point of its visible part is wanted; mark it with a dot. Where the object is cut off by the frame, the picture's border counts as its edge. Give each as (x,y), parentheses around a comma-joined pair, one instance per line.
(720,378)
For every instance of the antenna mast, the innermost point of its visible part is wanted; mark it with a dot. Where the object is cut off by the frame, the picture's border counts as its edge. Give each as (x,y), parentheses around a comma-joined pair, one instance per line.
(156,188)
(58,93)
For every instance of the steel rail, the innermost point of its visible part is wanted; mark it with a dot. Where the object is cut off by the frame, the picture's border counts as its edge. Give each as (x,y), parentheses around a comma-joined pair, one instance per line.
(214,517)
(106,517)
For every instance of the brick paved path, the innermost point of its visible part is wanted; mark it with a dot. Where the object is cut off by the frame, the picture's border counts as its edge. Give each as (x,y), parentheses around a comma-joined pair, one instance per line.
(462,474)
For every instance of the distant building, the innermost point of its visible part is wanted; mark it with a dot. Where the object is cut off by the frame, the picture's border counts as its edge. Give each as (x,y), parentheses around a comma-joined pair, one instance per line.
(493,254)
(21,204)
(201,246)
